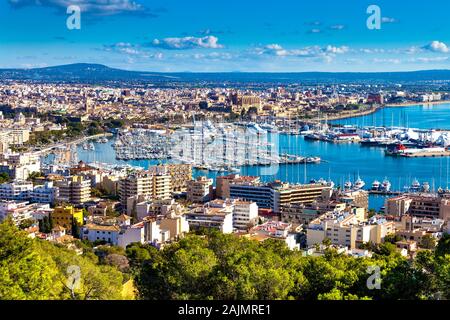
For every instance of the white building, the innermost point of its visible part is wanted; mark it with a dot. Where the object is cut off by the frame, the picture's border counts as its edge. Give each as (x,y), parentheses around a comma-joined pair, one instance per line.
(199,190)
(211,215)
(135,233)
(245,213)
(23,210)
(20,166)
(95,232)
(45,194)
(16,191)
(156,207)
(275,230)
(347,229)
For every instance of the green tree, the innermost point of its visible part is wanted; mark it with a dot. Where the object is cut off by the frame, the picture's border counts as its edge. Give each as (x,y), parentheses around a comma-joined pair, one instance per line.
(443,246)
(4,177)
(26,223)
(96,282)
(428,242)
(25,273)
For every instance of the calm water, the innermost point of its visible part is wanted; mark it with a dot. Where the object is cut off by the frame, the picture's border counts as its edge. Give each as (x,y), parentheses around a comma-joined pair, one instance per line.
(423,116)
(341,162)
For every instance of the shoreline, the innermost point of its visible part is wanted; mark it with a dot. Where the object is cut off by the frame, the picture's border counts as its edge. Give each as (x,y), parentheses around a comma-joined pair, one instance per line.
(412,104)
(375,109)
(347,116)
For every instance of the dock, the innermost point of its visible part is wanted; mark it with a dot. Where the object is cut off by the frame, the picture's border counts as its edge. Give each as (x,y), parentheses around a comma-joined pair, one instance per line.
(384,192)
(426,154)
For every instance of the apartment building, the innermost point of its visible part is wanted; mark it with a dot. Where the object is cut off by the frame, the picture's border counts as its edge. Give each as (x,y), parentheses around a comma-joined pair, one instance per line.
(397,206)
(155,230)
(19,211)
(19,166)
(143,184)
(285,194)
(15,136)
(66,217)
(348,229)
(274,230)
(299,213)
(223,183)
(262,194)
(245,214)
(179,174)
(157,207)
(276,195)
(357,198)
(199,190)
(46,193)
(430,206)
(211,216)
(74,189)
(16,191)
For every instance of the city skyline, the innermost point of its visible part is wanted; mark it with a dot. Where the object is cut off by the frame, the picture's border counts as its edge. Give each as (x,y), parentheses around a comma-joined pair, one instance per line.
(225,37)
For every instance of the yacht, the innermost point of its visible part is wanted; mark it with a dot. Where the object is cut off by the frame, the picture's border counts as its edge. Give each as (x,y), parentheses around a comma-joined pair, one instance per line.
(376,185)
(425,187)
(235,170)
(386,185)
(312,160)
(359,183)
(348,184)
(330,183)
(415,185)
(85,146)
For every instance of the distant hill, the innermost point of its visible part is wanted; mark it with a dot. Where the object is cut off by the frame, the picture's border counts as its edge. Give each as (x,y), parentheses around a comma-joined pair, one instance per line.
(84,72)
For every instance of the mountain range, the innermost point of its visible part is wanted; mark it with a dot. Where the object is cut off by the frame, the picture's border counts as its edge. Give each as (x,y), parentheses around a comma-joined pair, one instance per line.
(85,72)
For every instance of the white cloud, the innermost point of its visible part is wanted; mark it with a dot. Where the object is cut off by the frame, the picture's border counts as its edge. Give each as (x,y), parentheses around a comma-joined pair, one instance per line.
(372,50)
(314,51)
(387,61)
(437,46)
(208,42)
(101,7)
(413,50)
(388,20)
(337,50)
(337,27)
(214,56)
(429,59)
(131,50)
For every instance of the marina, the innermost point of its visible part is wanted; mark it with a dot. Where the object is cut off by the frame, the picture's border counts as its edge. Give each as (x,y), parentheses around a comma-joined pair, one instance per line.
(339,162)
(209,147)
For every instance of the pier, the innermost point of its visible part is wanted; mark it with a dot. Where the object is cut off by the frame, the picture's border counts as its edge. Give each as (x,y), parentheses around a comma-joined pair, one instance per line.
(385,193)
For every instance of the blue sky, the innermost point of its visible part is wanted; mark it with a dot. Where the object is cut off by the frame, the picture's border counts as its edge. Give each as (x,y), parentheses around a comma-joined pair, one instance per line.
(232,35)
